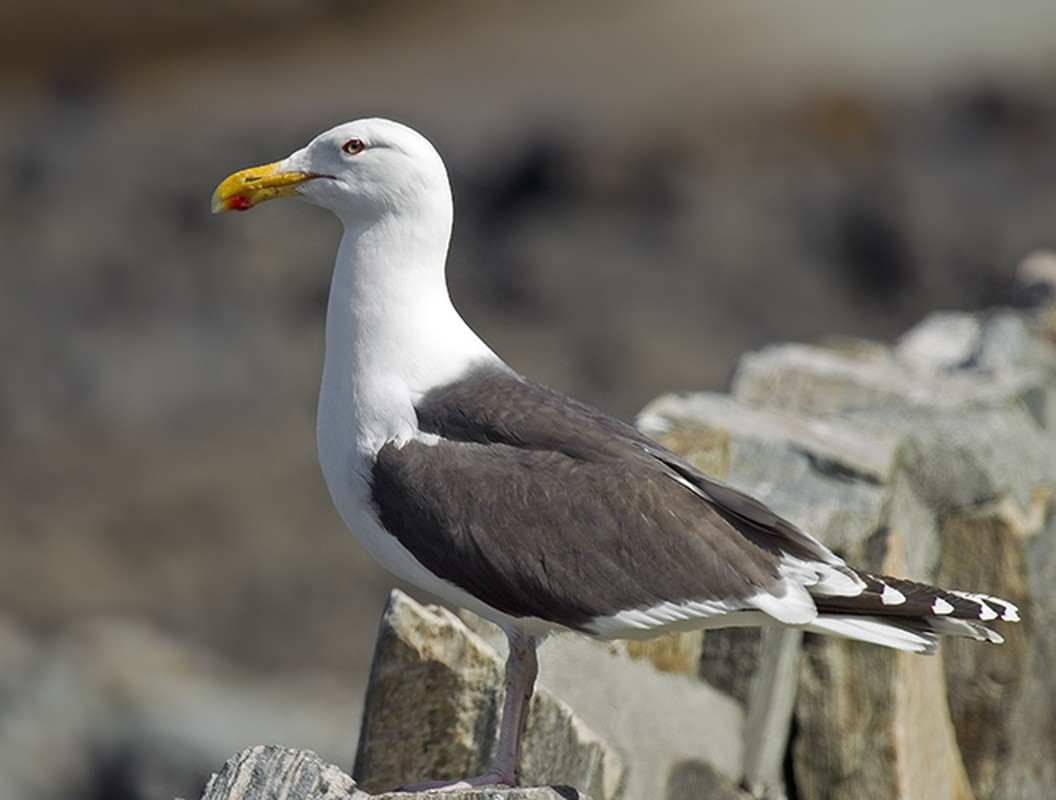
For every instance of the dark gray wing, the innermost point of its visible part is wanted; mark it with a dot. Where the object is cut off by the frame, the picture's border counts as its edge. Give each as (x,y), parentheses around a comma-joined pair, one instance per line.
(493,405)
(542,506)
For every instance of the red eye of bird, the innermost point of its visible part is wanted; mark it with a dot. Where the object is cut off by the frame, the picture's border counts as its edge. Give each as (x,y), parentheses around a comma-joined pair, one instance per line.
(353,146)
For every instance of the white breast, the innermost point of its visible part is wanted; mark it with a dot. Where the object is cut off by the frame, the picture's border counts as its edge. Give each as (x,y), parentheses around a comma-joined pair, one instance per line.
(391,335)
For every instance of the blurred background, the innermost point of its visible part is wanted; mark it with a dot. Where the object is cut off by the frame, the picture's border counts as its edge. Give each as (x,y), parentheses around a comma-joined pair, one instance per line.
(643,192)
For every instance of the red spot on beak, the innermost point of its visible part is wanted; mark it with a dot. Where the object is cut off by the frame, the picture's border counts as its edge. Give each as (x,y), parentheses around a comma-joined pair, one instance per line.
(239,203)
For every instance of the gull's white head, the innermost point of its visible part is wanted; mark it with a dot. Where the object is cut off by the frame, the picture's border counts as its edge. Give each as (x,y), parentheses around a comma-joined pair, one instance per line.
(359,170)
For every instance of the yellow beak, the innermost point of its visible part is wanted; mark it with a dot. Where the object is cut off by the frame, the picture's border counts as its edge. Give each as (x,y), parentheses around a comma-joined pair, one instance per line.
(247,188)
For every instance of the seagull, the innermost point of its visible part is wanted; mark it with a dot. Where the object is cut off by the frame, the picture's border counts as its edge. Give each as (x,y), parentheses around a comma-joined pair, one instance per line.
(505,497)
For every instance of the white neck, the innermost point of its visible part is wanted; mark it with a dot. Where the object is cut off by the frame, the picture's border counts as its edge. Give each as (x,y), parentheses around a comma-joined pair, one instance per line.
(391,331)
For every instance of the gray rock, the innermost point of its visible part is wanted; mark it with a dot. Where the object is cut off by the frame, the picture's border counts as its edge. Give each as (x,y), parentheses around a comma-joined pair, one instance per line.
(873,723)
(270,772)
(823,382)
(961,457)
(675,653)
(943,342)
(694,780)
(771,702)
(982,547)
(655,720)
(930,460)
(659,721)
(966,398)
(844,448)
(728,658)
(1009,706)
(434,704)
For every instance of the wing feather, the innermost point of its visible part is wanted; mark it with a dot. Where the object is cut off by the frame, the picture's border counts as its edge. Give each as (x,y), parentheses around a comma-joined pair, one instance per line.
(545,507)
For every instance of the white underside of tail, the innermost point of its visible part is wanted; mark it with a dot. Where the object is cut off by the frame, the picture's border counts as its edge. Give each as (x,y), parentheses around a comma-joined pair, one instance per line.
(874,631)
(882,632)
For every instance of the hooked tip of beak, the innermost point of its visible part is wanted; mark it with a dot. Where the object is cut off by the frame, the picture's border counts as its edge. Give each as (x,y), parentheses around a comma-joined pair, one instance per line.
(249,187)
(234,203)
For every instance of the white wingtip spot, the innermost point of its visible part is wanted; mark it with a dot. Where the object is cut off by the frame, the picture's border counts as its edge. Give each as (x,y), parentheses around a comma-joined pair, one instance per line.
(985,612)
(940,607)
(1009,612)
(891,596)
(987,604)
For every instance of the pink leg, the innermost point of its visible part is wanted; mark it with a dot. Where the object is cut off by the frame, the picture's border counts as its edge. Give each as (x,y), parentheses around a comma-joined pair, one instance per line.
(522,666)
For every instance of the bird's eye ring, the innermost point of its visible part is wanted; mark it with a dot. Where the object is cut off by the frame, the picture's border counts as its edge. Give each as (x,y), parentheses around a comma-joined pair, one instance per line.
(353,146)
